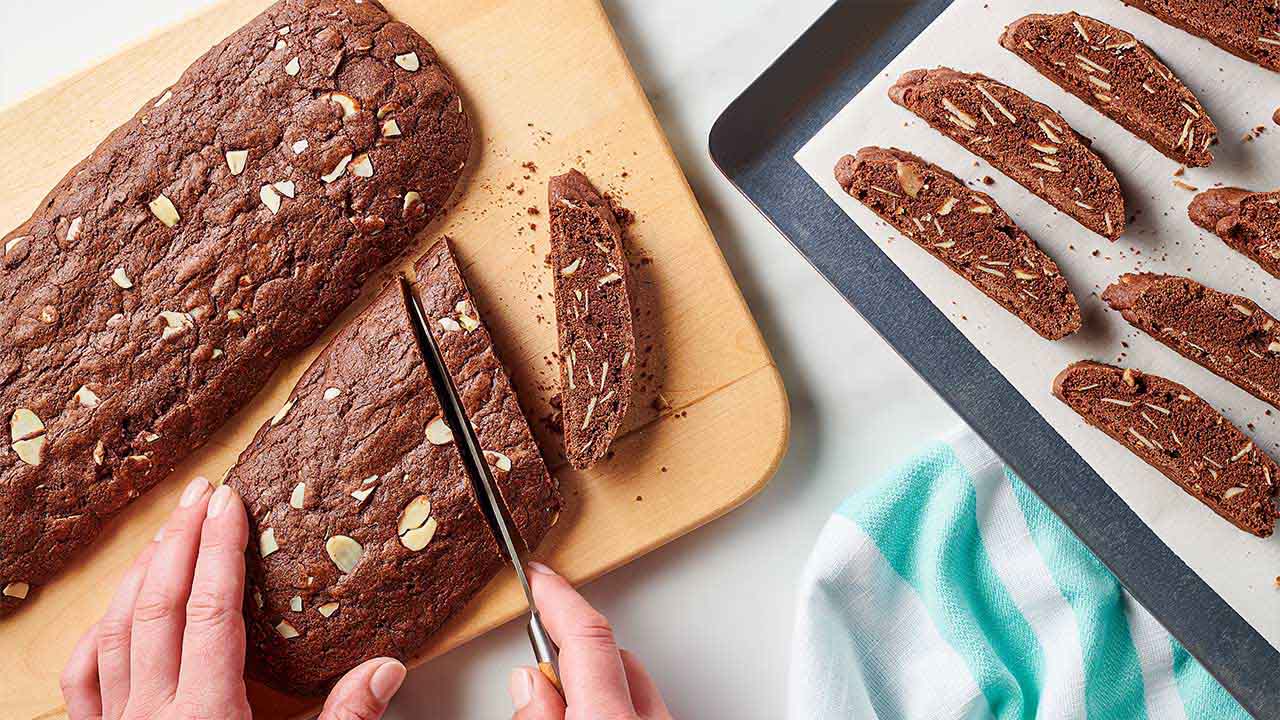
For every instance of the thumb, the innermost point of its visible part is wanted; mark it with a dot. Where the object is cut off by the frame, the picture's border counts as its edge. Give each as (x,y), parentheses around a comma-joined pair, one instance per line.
(533,696)
(363,693)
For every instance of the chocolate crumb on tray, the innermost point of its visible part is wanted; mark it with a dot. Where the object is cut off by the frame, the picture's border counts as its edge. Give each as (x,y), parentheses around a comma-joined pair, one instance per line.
(1179,434)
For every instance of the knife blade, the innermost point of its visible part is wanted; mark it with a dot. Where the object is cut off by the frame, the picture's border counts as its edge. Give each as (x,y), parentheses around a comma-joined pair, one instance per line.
(455,414)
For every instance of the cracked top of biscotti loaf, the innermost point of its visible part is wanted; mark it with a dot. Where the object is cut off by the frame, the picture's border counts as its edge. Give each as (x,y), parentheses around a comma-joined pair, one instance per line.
(1022,138)
(1179,434)
(594,316)
(366,534)
(156,288)
(965,229)
(1109,69)
(1249,29)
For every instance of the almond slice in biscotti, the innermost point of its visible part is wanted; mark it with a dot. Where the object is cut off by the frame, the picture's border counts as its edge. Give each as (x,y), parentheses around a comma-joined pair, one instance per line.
(1180,435)
(1024,139)
(967,231)
(594,317)
(1247,221)
(1244,28)
(1120,77)
(1228,334)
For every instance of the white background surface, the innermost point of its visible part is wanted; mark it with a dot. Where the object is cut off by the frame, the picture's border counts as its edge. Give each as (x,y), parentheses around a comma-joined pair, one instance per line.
(711,613)
(1238,96)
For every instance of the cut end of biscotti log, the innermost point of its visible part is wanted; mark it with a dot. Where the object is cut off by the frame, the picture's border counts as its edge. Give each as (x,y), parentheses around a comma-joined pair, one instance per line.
(1175,431)
(594,317)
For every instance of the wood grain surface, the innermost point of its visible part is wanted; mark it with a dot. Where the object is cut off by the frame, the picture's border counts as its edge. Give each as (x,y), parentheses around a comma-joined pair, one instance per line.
(549,88)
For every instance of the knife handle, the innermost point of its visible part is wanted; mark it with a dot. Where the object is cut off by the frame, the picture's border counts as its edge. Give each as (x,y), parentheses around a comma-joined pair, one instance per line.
(545,650)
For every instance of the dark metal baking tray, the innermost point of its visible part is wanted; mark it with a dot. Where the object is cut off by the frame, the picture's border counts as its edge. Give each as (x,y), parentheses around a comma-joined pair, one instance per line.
(754,142)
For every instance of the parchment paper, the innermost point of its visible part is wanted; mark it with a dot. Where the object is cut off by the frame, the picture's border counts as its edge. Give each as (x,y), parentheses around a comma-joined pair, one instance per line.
(1239,97)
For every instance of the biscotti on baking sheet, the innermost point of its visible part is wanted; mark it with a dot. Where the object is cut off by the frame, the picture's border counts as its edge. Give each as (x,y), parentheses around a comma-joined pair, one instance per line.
(1179,434)
(967,231)
(1024,139)
(594,317)
(1230,335)
(366,533)
(1249,222)
(1245,28)
(157,287)
(1109,69)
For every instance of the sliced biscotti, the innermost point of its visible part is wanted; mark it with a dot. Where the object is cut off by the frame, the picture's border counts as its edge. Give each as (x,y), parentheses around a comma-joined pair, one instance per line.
(1024,139)
(366,534)
(1247,221)
(1248,29)
(1180,435)
(1109,69)
(965,229)
(594,317)
(158,286)
(1227,334)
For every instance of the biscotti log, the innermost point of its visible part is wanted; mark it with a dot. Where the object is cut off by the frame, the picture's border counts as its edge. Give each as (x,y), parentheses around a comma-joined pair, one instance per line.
(1248,29)
(1246,221)
(1024,139)
(1228,334)
(366,534)
(1180,435)
(594,318)
(221,229)
(967,231)
(1120,77)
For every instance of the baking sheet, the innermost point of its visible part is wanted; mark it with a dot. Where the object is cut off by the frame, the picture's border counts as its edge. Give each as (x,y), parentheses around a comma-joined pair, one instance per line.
(1241,568)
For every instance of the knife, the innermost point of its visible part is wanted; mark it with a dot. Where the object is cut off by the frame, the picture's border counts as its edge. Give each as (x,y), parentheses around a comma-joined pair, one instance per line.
(544,649)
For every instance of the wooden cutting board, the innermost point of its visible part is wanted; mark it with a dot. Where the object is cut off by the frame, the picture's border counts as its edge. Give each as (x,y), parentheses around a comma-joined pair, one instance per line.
(549,88)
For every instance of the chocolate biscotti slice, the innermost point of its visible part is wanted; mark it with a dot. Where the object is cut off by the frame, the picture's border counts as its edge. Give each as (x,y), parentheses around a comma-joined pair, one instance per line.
(1109,69)
(1180,435)
(594,317)
(366,534)
(1228,334)
(1024,139)
(1249,29)
(1249,222)
(157,287)
(967,231)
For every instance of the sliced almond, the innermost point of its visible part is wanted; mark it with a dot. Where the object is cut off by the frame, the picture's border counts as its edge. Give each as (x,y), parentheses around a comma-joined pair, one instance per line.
(30,451)
(121,279)
(236,160)
(350,106)
(24,425)
(162,207)
(286,188)
(408,61)
(416,526)
(362,166)
(908,178)
(467,316)
(300,146)
(293,67)
(337,171)
(362,494)
(267,542)
(17,589)
(390,128)
(175,323)
(270,197)
(411,199)
(328,609)
(99,452)
(87,397)
(344,552)
(298,496)
(287,631)
(571,268)
(282,412)
(73,230)
(438,432)
(610,278)
(448,324)
(498,460)
(295,603)
(331,393)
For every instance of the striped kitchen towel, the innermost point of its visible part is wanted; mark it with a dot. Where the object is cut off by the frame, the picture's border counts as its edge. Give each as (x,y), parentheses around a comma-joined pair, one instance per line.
(950,591)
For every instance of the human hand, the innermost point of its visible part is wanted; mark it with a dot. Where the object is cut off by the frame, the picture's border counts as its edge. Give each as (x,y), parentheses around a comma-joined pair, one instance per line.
(600,681)
(171,644)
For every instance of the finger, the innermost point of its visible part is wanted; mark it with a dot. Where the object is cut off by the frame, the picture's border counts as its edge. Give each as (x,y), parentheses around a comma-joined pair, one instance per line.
(644,691)
(533,696)
(590,666)
(79,679)
(160,614)
(115,631)
(363,693)
(213,643)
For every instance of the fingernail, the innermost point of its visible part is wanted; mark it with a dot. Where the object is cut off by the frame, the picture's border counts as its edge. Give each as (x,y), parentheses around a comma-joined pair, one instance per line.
(386,680)
(195,490)
(520,686)
(219,501)
(538,567)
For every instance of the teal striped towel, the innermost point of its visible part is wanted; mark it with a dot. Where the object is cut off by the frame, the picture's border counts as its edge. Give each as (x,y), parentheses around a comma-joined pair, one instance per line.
(950,591)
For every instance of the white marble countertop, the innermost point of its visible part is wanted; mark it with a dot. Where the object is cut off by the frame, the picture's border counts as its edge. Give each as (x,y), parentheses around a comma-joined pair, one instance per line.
(711,613)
